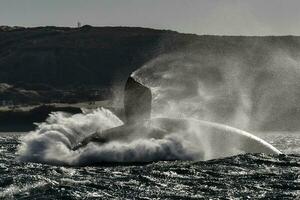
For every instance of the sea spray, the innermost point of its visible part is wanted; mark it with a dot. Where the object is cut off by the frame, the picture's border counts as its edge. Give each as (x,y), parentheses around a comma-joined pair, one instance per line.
(241,91)
(224,89)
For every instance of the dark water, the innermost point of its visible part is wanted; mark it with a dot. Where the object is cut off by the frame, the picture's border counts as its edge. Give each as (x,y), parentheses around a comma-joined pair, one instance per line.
(250,176)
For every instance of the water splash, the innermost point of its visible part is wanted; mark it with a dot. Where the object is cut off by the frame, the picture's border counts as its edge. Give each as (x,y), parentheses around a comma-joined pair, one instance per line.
(221,89)
(179,139)
(53,140)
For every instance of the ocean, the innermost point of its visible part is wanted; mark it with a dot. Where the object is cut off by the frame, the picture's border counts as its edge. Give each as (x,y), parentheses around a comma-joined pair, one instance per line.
(246,176)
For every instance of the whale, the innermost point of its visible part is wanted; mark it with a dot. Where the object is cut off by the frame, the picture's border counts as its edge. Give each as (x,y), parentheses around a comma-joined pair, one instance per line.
(214,140)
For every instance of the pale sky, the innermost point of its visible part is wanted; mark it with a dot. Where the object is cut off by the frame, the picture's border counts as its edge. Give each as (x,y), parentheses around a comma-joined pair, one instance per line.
(219,17)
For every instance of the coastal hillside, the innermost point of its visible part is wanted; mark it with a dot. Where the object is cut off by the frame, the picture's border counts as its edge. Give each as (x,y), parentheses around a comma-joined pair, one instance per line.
(247,82)
(100,56)
(77,57)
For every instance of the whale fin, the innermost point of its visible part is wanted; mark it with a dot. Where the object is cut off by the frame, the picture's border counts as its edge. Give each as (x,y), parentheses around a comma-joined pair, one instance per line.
(137,101)
(137,108)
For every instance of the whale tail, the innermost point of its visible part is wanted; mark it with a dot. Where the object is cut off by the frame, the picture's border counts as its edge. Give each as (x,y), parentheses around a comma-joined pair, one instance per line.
(137,101)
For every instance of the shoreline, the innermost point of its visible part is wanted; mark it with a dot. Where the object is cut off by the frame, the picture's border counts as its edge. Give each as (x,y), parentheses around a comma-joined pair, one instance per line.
(23,118)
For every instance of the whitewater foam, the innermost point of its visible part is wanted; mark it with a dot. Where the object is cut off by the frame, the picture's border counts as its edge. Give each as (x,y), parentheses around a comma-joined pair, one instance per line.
(53,140)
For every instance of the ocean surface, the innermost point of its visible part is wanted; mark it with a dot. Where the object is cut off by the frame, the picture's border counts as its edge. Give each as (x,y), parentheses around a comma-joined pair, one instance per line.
(248,176)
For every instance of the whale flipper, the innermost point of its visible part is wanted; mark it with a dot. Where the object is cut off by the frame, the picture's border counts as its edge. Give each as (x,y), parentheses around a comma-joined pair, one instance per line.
(137,101)
(137,108)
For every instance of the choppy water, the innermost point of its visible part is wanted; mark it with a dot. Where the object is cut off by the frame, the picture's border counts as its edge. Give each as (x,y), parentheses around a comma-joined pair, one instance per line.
(245,176)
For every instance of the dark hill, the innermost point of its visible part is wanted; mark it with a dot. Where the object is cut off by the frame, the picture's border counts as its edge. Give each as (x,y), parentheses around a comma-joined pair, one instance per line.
(68,57)
(99,56)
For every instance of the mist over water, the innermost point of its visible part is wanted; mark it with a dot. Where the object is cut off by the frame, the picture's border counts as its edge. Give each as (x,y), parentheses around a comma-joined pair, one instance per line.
(254,91)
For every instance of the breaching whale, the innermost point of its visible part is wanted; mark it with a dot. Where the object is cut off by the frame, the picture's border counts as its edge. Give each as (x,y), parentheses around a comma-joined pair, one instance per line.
(215,140)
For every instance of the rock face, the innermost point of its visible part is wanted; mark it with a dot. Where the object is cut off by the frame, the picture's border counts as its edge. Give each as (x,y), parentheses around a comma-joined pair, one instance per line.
(137,101)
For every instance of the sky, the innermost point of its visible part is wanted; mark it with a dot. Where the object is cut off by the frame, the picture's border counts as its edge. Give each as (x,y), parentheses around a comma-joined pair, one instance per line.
(217,17)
